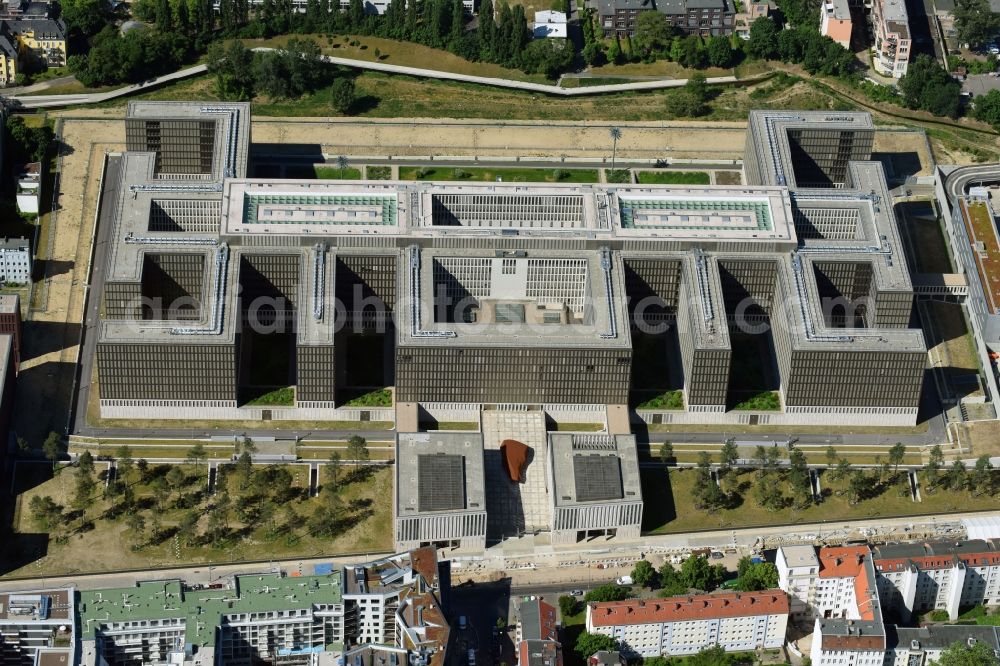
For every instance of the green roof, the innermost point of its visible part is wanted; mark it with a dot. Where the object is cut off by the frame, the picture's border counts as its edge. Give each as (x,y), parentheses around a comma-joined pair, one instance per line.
(760,209)
(202,610)
(387,204)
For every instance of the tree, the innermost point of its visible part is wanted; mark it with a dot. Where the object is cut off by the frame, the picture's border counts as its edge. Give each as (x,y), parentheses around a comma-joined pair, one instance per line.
(671,583)
(987,108)
(85,463)
(342,164)
(756,576)
(963,654)
(197,455)
(720,51)
(843,469)
(799,478)
(342,95)
(975,22)
(124,463)
(587,644)
(767,493)
(161,491)
(233,69)
(763,42)
(858,487)
(643,573)
(615,134)
(709,656)
(44,511)
(187,528)
(567,605)
(615,51)
(357,449)
(607,592)
(175,477)
(244,470)
(926,85)
(653,34)
(729,453)
(667,448)
(23,448)
(981,478)
(696,572)
(690,100)
(956,478)
(137,527)
(84,491)
(831,456)
(52,447)
(143,466)
(896,456)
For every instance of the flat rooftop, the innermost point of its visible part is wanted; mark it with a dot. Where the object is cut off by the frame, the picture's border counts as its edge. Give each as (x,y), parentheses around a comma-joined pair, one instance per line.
(36,606)
(800,556)
(594,468)
(203,610)
(981,227)
(439,472)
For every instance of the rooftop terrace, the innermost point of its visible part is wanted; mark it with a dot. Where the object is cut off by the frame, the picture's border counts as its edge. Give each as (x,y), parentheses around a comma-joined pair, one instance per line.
(982,231)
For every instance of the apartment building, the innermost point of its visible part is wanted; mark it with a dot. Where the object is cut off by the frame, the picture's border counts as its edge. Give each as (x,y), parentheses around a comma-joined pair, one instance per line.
(835,21)
(849,632)
(915,578)
(15,261)
(9,57)
(891,26)
(823,583)
(684,625)
(37,627)
(391,604)
(537,636)
(691,17)
(922,646)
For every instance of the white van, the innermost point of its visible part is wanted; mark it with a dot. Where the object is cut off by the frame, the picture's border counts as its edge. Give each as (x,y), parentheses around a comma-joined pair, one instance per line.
(624,580)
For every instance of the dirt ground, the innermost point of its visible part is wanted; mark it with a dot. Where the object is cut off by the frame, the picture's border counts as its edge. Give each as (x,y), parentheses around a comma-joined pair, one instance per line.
(49,356)
(984,436)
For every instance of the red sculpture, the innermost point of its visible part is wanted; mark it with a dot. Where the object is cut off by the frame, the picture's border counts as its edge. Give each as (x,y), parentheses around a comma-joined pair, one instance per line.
(514,454)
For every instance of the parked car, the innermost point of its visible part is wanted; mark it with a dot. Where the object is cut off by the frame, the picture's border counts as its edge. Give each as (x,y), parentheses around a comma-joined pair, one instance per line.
(576,593)
(717,555)
(624,580)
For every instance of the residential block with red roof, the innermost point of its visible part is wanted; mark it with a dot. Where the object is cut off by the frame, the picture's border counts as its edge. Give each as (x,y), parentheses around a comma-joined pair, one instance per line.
(686,624)
(538,634)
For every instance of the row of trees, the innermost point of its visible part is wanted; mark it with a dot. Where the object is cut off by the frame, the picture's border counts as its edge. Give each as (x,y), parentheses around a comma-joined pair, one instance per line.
(25,144)
(161,502)
(135,56)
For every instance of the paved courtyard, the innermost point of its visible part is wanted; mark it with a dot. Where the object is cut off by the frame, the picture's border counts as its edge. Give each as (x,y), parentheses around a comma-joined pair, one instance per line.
(511,507)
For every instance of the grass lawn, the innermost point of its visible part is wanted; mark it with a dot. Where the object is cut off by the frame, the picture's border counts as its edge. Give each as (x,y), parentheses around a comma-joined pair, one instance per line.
(768,401)
(406,54)
(282,397)
(980,615)
(107,546)
(668,509)
(336,173)
(378,172)
(728,178)
(673,178)
(526,175)
(376,398)
(668,400)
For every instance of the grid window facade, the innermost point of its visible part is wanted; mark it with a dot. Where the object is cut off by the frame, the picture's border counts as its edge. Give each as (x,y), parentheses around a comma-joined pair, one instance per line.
(820,157)
(709,377)
(366,285)
(173,282)
(827,223)
(849,281)
(166,372)
(558,282)
(519,375)
(508,210)
(316,376)
(747,286)
(854,379)
(182,147)
(185,215)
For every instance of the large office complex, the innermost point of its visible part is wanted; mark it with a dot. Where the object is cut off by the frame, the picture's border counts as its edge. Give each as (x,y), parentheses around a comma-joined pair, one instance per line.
(221,288)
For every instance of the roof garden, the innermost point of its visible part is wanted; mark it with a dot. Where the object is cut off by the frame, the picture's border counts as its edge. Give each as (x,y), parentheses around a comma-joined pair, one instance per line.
(723,215)
(321,209)
(203,610)
(985,249)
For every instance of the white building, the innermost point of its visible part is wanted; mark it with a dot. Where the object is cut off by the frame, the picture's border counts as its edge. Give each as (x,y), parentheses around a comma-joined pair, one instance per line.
(686,624)
(850,633)
(15,261)
(37,627)
(822,583)
(549,23)
(440,490)
(835,21)
(891,25)
(914,578)
(29,188)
